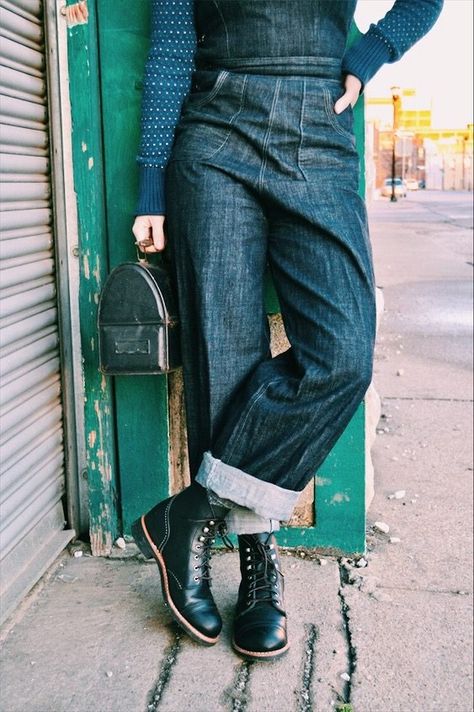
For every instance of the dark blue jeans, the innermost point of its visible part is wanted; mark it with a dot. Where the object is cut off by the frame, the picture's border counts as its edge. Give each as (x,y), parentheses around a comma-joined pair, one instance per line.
(262,169)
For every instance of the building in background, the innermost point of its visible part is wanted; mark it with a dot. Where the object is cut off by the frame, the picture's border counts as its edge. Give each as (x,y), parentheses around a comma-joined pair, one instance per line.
(438,158)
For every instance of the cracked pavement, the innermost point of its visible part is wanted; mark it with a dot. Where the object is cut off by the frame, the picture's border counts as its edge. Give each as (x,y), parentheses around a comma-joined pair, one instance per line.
(395,634)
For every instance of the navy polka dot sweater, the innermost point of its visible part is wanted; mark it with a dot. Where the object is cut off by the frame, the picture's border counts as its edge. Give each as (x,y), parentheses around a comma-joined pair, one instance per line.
(168,70)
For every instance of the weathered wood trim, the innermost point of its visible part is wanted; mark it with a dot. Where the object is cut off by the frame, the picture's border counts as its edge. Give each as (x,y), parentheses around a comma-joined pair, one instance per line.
(88,172)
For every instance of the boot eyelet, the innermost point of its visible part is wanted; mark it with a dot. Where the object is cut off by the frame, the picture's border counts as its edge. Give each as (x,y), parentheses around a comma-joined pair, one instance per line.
(249,558)
(196,578)
(248,551)
(249,567)
(198,546)
(201,538)
(212,522)
(196,556)
(205,529)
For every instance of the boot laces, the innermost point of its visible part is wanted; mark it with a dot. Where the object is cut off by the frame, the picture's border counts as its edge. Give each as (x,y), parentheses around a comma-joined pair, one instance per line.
(262,574)
(211,529)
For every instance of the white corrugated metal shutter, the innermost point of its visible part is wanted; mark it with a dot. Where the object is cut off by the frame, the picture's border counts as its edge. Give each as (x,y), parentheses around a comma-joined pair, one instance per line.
(32,484)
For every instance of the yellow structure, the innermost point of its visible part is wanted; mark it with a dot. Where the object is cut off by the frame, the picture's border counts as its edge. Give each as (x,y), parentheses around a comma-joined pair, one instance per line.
(441,158)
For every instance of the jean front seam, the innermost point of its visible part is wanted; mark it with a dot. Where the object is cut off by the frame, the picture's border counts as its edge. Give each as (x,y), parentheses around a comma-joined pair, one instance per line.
(266,138)
(225,27)
(301,127)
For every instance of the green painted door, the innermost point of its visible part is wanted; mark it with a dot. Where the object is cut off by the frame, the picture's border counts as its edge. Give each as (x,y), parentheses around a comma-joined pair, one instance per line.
(141,402)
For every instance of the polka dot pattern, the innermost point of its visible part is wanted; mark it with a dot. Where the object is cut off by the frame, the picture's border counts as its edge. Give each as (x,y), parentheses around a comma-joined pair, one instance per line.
(406,23)
(166,78)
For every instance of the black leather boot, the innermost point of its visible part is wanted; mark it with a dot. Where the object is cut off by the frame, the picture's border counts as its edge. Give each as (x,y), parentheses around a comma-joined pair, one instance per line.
(260,617)
(178,533)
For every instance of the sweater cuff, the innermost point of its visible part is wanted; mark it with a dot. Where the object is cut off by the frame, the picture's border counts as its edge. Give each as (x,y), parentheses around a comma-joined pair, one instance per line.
(151,191)
(364,58)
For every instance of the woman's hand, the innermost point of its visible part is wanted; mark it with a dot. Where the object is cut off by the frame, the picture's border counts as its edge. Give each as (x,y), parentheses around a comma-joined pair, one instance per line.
(353,86)
(149,232)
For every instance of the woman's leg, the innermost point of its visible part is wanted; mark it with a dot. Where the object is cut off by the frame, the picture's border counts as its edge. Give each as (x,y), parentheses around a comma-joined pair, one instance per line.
(217,234)
(292,408)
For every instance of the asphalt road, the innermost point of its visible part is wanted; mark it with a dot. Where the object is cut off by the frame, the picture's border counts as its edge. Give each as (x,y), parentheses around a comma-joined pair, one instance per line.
(423,262)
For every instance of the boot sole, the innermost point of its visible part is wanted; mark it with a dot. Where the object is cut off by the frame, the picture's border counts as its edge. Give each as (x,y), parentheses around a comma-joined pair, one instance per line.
(149,550)
(256,655)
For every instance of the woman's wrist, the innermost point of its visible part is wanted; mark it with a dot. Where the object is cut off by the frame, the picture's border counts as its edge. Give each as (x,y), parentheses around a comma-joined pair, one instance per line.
(151,191)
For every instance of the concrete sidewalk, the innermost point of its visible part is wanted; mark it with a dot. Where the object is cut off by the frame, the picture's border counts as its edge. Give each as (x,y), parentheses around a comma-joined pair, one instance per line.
(393,635)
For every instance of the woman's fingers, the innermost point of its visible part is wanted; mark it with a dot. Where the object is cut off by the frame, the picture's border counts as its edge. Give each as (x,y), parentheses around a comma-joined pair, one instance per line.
(158,233)
(353,86)
(149,233)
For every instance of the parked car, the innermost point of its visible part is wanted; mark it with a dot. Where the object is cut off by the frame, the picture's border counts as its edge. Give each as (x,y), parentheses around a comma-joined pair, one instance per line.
(412,184)
(400,189)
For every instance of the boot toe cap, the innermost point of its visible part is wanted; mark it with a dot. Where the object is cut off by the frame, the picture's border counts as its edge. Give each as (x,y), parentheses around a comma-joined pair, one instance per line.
(261,637)
(204,618)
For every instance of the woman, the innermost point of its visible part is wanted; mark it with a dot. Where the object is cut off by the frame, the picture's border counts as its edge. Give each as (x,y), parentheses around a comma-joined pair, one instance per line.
(247,148)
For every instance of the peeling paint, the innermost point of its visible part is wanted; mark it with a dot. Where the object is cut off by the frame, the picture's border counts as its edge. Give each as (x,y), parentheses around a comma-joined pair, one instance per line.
(91,438)
(101,541)
(76,13)
(96,271)
(322,481)
(96,297)
(84,146)
(90,162)
(340,497)
(85,266)
(92,344)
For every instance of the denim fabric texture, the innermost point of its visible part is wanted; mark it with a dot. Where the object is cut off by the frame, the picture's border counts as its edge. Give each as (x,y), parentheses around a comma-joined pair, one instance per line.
(263,169)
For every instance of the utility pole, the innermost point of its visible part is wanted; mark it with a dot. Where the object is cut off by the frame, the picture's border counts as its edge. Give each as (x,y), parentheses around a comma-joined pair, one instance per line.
(395,99)
(464,144)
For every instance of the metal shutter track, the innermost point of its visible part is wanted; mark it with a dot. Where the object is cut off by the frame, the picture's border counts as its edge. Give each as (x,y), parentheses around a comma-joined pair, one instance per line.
(31,439)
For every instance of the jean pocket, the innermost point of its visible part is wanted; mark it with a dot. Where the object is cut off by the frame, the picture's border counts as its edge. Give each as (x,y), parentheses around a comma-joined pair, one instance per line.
(208,115)
(205,85)
(343,123)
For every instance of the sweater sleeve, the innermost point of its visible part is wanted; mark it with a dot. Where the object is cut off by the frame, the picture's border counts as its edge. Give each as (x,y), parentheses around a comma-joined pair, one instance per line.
(388,40)
(166,82)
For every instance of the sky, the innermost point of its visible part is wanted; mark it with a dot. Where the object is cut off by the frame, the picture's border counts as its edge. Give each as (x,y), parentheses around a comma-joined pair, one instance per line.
(439,66)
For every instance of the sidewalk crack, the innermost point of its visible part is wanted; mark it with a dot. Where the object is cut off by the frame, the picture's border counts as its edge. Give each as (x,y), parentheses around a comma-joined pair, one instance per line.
(239,696)
(170,660)
(351,652)
(305,695)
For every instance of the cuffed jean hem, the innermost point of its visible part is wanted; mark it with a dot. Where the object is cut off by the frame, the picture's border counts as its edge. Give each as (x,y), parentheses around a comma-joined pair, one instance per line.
(241,520)
(264,498)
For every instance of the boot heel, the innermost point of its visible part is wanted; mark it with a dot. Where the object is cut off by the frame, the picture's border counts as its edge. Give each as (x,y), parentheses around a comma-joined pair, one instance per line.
(140,539)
